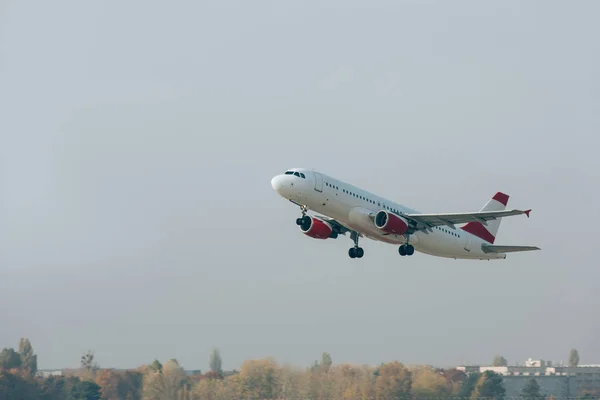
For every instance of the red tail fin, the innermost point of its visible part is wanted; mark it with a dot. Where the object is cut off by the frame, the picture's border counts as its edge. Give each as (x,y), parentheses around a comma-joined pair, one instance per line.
(488,233)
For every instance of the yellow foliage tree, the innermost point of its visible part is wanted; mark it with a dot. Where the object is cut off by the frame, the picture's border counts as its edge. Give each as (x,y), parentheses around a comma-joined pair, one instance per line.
(259,378)
(428,383)
(393,382)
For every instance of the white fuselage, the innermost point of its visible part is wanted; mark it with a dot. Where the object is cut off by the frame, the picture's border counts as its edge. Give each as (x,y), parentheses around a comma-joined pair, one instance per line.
(350,206)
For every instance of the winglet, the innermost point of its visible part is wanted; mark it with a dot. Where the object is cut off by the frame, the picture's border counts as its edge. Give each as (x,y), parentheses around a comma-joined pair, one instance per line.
(527,212)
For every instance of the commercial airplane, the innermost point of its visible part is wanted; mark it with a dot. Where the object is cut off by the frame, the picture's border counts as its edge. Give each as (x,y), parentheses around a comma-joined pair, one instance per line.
(348,209)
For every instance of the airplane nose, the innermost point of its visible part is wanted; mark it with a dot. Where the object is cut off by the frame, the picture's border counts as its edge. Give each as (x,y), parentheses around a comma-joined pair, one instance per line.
(277,183)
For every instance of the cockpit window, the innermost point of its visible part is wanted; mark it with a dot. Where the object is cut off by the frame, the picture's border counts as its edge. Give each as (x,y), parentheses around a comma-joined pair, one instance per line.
(296,173)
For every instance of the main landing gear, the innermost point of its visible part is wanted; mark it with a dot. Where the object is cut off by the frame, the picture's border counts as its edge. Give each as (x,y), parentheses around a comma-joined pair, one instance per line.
(406,250)
(355,252)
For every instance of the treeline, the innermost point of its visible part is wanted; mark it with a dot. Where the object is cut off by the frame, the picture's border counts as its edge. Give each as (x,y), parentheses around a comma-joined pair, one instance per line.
(256,379)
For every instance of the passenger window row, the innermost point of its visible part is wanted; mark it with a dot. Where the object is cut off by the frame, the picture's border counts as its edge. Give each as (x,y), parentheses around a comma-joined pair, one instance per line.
(447,231)
(362,198)
(368,200)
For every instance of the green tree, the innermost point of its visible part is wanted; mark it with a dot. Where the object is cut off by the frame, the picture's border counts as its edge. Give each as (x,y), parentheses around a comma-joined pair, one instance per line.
(499,361)
(574,358)
(216,362)
(85,390)
(16,386)
(156,366)
(28,358)
(9,359)
(489,386)
(531,391)
(468,385)
(326,362)
(587,396)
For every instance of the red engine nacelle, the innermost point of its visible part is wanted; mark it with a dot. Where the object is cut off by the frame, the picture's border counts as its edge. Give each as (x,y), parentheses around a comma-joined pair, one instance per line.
(316,228)
(390,223)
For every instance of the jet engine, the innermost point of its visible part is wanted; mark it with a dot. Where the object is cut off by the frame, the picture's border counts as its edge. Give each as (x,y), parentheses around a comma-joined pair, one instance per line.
(390,222)
(316,228)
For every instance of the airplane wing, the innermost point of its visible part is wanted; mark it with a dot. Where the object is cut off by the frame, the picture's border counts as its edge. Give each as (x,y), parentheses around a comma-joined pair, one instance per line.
(427,221)
(336,225)
(488,248)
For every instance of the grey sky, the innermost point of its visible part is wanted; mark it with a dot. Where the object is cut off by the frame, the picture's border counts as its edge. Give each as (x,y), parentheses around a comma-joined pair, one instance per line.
(139,139)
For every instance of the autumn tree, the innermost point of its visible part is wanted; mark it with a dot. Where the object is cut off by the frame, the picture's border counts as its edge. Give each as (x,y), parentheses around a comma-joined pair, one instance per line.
(290,382)
(166,384)
(531,391)
(9,359)
(174,378)
(218,389)
(455,378)
(574,358)
(216,362)
(153,385)
(428,383)
(259,378)
(393,381)
(499,361)
(345,382)
(109,381)
(28,358)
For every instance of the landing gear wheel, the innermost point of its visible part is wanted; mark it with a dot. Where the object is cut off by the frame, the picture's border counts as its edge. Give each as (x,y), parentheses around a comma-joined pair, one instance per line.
(298,221)
(406,250)
(356,252)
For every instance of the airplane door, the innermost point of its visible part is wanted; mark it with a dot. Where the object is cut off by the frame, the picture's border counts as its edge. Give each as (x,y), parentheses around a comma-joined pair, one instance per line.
(468,243)
(318,182)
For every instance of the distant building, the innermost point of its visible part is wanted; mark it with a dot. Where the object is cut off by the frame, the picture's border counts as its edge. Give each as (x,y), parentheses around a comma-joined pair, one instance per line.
(47,373)
(536,363)
(558,381)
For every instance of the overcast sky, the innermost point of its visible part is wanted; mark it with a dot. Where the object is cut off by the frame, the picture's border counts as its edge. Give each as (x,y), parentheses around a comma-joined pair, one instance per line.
(139,138)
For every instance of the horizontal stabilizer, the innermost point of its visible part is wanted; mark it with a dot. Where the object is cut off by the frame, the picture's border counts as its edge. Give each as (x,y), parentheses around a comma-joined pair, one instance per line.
(488,248)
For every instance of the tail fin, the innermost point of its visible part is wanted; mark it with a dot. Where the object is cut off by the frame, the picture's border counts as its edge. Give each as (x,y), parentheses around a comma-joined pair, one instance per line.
(489,231)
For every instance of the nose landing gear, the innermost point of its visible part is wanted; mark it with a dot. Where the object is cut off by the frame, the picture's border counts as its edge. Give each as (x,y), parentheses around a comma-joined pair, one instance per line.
(304,219)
